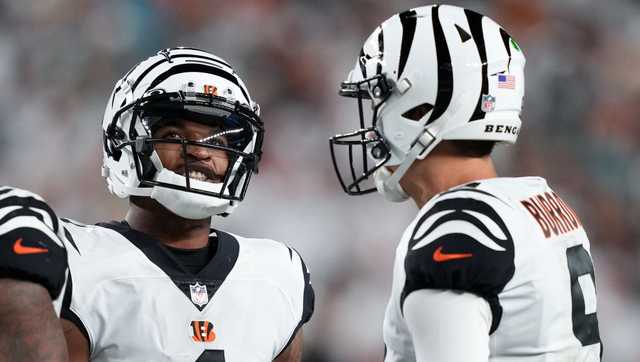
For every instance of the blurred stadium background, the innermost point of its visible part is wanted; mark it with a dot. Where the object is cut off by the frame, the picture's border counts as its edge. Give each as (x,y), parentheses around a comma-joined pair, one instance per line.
(60,58)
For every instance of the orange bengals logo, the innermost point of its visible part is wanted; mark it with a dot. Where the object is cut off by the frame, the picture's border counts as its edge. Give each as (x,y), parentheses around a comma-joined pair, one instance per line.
(202,331)
(210,89)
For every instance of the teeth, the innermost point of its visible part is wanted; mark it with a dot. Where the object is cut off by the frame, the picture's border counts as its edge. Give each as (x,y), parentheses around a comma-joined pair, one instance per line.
(197,175)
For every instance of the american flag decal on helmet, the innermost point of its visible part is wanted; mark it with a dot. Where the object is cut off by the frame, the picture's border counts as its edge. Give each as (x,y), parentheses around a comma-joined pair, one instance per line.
(506,81)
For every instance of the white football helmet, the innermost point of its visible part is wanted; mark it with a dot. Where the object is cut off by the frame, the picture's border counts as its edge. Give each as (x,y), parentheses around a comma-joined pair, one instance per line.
(181,83)
(431,73)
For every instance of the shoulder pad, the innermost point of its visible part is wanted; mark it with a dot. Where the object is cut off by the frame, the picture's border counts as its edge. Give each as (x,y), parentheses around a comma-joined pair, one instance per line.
(30,242)
(290,271)
(462,243)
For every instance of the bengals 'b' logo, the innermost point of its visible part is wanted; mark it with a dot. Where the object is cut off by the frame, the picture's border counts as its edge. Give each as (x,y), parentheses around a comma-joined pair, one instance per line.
(210,89)
(202,331)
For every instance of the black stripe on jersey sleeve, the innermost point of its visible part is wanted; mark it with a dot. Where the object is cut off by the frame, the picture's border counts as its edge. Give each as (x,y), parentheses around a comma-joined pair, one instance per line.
(68,314)
(457,260)
(28,204)
(308,303)
(309,295)
(473,190)
(472,187)
(69,237)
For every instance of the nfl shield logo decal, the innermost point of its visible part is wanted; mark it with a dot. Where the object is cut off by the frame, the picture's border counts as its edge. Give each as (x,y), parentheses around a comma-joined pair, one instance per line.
(488,103)
(199,294)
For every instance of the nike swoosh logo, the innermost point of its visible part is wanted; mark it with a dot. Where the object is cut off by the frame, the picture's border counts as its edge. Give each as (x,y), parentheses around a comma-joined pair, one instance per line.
(439,256)
(20,249)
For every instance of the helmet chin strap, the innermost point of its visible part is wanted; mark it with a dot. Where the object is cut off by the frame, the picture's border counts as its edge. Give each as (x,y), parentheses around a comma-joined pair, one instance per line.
(188,205)
(388,183)
(392,191)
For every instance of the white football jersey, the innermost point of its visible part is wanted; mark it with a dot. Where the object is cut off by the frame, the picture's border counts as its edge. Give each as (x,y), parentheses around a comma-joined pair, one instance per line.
(518,245)
(135,302)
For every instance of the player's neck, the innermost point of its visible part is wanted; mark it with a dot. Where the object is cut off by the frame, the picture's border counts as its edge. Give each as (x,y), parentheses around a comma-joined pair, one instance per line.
(440,172)
(147,216)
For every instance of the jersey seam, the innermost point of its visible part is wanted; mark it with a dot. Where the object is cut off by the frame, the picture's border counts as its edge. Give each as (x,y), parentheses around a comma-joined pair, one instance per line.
(90,332)
(299,320)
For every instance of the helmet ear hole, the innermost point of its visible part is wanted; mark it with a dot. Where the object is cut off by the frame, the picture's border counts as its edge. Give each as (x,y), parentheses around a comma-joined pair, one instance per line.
(416,113)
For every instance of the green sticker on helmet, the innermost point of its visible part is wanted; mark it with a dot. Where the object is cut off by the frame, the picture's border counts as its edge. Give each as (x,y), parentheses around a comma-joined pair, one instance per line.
(515,45)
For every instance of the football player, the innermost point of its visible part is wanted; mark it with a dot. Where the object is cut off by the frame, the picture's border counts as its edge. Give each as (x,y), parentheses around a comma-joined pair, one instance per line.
(182,138)
(491,268)
(33,269)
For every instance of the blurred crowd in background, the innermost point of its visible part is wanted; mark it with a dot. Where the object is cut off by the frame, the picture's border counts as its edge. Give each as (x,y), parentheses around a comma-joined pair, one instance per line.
(59,60)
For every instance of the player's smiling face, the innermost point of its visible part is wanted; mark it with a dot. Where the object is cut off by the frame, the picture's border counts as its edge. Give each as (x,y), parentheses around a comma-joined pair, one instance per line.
(204,163)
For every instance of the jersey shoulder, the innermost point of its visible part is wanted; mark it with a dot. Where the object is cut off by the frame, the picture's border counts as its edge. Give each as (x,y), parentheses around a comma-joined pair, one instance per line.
(279,264)
(30,240)
(462,240)
(90,243)
(279,261)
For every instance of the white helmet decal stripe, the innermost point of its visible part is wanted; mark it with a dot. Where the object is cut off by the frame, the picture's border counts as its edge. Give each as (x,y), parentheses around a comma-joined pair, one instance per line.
(169,59)
(145,72)
(200,68)
(190,52)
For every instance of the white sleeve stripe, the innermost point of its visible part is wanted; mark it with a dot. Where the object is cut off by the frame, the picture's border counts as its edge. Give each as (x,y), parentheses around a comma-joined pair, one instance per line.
(46,216)
(30,222)
(14,192)
(7,210)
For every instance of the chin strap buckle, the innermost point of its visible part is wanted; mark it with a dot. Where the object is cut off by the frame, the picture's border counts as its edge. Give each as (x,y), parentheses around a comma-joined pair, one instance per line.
(427,141)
